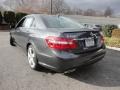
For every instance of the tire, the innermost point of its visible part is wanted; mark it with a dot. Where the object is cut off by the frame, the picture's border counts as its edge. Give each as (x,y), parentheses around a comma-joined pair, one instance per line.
(32,58)
(12,42)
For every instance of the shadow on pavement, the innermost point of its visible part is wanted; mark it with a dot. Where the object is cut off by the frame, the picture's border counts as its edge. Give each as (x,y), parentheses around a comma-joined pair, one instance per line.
(105,73)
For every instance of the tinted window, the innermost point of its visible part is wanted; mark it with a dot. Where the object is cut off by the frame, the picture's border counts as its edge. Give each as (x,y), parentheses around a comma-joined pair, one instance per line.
(20,24)
(33,24)
(40,24)
(28,22)
(60,22)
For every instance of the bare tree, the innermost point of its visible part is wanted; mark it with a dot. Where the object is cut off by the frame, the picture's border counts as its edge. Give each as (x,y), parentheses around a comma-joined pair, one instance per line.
(108,12)
(77,11)
(69,11)
(59,6)
(90,12)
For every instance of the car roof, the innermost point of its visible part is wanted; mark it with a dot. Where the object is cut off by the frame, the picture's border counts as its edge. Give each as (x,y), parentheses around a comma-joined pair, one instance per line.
(38,15)
(34,15)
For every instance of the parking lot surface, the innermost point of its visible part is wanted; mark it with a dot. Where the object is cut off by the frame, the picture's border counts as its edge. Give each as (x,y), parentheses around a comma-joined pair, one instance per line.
(15,73)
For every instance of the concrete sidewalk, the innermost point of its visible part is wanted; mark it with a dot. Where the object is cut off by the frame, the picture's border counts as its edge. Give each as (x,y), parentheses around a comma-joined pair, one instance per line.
(113,48)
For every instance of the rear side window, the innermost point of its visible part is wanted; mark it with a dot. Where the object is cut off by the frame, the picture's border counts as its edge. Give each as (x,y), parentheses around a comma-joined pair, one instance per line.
(20,24)
(33,25)
(28,22)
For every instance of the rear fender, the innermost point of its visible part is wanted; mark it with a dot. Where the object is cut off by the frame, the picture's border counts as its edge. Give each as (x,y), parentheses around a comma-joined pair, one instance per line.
(30,42)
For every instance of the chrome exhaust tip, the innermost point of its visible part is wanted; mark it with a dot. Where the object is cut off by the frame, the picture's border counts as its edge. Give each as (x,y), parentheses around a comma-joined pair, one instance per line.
(69,71)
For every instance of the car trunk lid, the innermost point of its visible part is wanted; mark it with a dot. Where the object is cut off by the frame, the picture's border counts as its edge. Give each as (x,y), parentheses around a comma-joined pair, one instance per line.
(87,40)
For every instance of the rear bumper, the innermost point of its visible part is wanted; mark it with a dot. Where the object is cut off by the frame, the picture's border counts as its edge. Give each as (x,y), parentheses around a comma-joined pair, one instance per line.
(61,65)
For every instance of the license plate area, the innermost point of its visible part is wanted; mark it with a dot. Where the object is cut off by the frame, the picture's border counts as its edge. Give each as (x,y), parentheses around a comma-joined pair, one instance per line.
(89,42)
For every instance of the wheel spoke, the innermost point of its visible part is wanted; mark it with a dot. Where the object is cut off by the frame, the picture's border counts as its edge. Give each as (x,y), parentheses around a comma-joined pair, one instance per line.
(30,51)
(31,56)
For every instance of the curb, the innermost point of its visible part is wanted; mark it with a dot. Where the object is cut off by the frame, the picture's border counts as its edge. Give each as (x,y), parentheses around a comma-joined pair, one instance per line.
(113,48)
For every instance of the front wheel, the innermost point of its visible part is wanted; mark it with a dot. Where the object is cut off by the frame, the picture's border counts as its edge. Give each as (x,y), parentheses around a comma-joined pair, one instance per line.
(32,58)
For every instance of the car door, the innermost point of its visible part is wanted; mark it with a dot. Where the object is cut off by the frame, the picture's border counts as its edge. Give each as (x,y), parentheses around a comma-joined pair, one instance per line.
(17,31)
(25,31)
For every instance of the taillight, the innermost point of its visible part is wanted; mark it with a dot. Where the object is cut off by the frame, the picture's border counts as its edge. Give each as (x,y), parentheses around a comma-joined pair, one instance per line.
(102,37)
(61,43)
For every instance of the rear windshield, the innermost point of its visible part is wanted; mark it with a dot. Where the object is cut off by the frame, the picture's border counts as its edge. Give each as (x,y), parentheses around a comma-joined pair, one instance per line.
(60,22)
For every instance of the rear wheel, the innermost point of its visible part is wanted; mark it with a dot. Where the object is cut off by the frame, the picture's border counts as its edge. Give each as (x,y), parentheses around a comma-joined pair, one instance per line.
(12,42)
(32,58)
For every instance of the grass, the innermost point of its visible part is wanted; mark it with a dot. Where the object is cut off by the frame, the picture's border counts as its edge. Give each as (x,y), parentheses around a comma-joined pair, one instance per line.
(113,41)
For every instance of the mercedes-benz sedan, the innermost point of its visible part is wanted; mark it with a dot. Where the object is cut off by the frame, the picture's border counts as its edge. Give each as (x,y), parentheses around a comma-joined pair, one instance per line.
(57,42)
